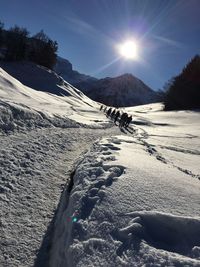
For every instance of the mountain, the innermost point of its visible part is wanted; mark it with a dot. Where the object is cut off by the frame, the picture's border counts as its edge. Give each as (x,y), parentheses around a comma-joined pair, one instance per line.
(64,68)
(122,91)
(43,79)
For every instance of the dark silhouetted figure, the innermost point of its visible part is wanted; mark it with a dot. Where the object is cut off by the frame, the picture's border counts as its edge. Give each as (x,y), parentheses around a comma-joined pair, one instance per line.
(109,112)
(101,107)
(105,109)
(128,121)
(123,119)
(112,115)
(117,114)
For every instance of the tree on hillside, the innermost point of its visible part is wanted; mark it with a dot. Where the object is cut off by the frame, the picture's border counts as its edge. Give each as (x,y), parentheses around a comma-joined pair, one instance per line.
(43,50)
(168,84)
(16,43)
(1,33)
(184,90)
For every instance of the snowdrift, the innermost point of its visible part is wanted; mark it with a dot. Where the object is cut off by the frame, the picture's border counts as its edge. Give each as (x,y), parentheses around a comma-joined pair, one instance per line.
(23,107)
(130,204)
(133,199)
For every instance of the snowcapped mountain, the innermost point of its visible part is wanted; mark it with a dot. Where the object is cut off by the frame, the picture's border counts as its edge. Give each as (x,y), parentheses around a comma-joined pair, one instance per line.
(122,91)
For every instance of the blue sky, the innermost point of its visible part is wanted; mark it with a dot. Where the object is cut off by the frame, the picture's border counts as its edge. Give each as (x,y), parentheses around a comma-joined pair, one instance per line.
(87,31)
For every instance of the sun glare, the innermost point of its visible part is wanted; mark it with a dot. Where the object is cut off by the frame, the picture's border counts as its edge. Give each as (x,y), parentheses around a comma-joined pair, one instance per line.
(129,50)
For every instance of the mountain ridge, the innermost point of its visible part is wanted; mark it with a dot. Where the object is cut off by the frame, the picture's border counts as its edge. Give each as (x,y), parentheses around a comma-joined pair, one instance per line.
(121,91)
(124,90)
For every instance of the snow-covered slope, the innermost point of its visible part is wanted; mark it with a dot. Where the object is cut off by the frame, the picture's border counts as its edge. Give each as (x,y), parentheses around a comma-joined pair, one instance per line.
(21,105)
(36,76)
(131,200)
(122,91)
(135,199)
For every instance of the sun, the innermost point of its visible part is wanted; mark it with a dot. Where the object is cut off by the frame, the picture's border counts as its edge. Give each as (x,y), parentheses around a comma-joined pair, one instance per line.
(129,50)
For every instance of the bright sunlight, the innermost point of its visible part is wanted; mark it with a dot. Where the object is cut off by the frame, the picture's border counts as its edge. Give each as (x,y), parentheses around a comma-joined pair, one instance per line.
(129,50)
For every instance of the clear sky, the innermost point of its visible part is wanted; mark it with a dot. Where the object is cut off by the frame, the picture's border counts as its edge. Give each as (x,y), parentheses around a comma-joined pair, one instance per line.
(87,31)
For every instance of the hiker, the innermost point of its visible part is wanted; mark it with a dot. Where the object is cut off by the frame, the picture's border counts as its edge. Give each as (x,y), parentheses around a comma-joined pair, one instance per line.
(123,119)
(105,109)
(128,121)
(101,107)
(112,115)
(117,114)
(108,112)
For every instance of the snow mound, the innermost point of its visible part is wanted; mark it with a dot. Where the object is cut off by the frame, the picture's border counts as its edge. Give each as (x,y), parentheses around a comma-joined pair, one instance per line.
(123,212)
(39,78)
(164,231)
(22,107)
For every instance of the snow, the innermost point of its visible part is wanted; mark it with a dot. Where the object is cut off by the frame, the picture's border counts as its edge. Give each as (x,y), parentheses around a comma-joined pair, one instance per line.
(35,167)
(75,190)
(23,107)
(132,205)
(175,135)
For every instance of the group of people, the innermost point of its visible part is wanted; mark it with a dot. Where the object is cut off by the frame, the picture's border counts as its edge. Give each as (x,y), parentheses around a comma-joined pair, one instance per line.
(124,119)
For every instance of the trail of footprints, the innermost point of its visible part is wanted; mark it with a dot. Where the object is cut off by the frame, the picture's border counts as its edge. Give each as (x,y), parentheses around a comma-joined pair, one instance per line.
(102,176)
(143,135)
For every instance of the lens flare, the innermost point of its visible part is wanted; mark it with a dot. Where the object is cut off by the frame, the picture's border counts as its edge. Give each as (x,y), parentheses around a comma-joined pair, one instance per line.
(129,50)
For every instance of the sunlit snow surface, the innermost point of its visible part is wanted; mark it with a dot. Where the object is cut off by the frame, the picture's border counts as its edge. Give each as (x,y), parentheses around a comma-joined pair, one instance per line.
(23,107)
(136,197)
(135,194)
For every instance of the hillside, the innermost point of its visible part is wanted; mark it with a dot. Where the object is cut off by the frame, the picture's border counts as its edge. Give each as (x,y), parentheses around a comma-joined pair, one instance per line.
(77,190)
(135,198)
(123,91)
(22,106)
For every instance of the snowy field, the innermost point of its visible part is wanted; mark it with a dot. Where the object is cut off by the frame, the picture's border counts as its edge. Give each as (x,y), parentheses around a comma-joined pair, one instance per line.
(136,198)
(77,191)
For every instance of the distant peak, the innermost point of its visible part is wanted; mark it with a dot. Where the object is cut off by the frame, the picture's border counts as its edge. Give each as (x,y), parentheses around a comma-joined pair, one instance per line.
(127,76)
